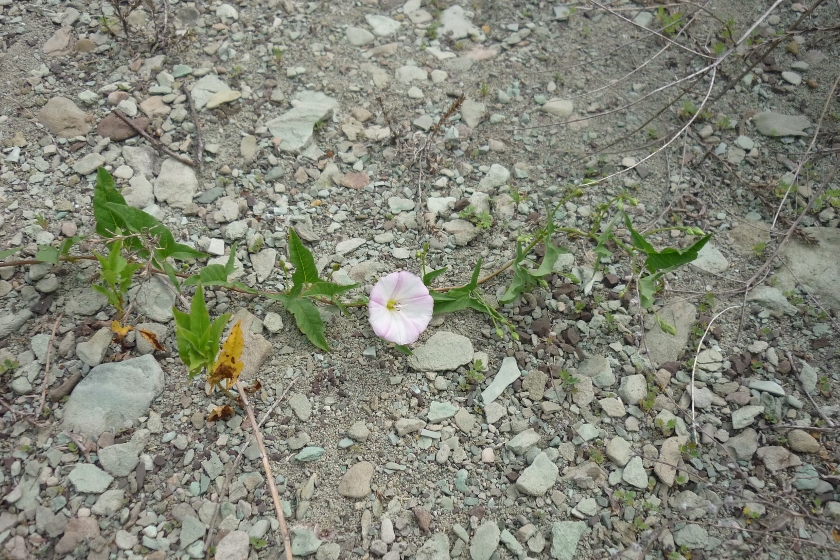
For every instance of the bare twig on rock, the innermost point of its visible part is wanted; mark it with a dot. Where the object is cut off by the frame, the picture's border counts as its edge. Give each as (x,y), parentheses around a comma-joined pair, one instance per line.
(157,143)
(45,382)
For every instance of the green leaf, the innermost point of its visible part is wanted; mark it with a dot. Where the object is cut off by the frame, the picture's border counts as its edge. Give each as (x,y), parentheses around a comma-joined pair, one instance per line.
(47,253)
(670,329)
(403,349)
(137,221)
(429,277)
(213,336)
(171,273)
(326,289)
(66,245)
(647,290)
(601,249)
(521,280)
(446,303)
(210,275)
(638,240)
(307,317)
(669,259)
(9,252)
(108,224)
(305,270)
(552,251)
(199,317)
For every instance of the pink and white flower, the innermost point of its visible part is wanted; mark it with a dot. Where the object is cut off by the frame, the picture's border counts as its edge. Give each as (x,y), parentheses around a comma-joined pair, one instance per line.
(400,307)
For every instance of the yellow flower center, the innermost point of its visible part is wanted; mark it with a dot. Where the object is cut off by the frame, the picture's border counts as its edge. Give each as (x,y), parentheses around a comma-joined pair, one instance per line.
(393,305)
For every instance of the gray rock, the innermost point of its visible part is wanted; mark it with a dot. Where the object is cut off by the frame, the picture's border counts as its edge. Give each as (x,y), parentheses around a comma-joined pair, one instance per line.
(692,537)
(633,389)
(613,407)
(508,373)
(382,26)
(176,184)
(120,459)
(465,421)
(12,322)
(358,37)
(108,503)
(235,546)
(497,176)
(772,299)
(584,392)
(669,459)
(743,446)
(88,164)
(565,536)
(802,442)
(539,477)
(408,425)
(355,483)
(710,259)
(300,406)
(473,112)
(436,548)
(113,395)
(141,159)
(462,231)
(155,298)
(485,541)
(777,458)
(358,431)
(304,541)
(558,107)
(523,441)
(92,351)
(766,386)
(455,24)
(618,451)
(139,193)
(144,346)
(444,351)
(440,411)
(191,530)
(662,346)
(813,265)
(599,370)
(745,416)
(263,263)
(82,302)
(89,479)
(634,473)
(773,124)
(295,126)
(328,551)
(205,88)
(63,118)
(409,73)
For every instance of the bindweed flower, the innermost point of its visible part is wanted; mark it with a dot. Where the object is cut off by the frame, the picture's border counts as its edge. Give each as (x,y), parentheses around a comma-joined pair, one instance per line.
(400,307)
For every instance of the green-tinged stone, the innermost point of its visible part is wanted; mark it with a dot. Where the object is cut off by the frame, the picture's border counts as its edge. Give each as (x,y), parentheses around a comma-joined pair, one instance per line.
(308,454)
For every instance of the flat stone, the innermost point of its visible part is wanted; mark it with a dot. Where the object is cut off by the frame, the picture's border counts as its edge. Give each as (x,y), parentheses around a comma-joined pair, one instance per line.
(222,97)
(710,259)
(743,446)
(444,351)
(155,298)
(497,176)
(802,442)
(618,451)
(473,112)
(745,416)
(304,541)
(435,548)
(89,479)
(294,128)
(692,537)
(766,386)
(358,37)
(814,265)
(382,26)
(121,459)
(233,546)
(485,541)
(774,124)
(63,118)
(440,411)
(565,536)
(92,351)
(558,108)
(109,503)
(507,374)
(669,459)
(664,347)
(523,441)
(539,477)
(777,458)
(355,483)
(633,389)
(300,406)
(176,184)
(113,395)
(634,473)
(88,164)
(456,25)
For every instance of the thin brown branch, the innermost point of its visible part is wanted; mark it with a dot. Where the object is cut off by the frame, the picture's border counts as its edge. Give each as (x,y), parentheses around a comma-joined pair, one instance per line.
(267,466)
(46,381)
(157,143)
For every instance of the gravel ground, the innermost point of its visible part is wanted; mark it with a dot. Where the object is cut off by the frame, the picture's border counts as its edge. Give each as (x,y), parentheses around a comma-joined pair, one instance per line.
(595,435)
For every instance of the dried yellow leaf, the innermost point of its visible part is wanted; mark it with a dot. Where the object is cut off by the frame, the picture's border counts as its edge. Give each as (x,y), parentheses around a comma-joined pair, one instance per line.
(229,364)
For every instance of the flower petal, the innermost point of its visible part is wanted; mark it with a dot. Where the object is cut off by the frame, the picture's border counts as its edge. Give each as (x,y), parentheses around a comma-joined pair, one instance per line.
(402,330)
(380,318)
(383,290)
(409,287)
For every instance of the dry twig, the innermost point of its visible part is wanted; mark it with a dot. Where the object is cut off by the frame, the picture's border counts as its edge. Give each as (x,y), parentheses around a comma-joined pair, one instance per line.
(45,382)
(157,143)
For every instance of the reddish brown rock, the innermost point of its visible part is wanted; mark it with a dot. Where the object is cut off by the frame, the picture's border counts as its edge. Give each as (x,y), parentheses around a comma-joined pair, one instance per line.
(77,530)
(60,42)
(355,180)
(114,128)
(63,118)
